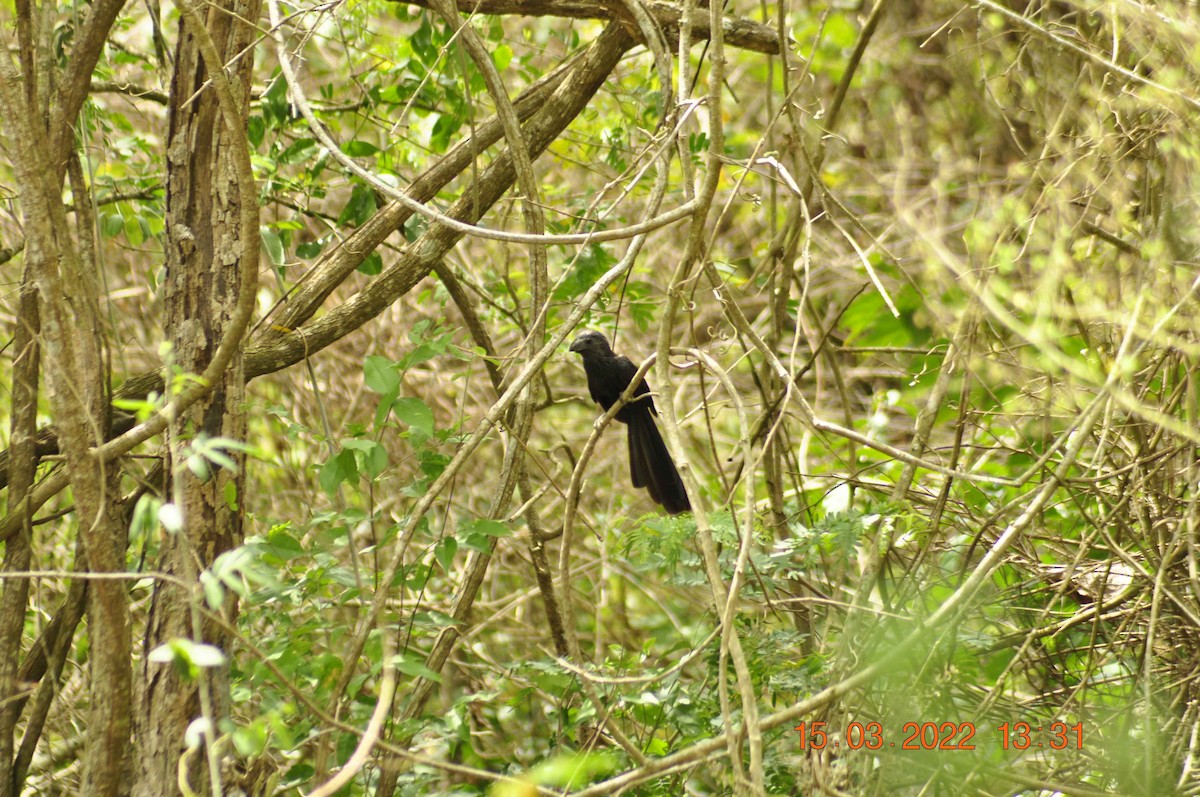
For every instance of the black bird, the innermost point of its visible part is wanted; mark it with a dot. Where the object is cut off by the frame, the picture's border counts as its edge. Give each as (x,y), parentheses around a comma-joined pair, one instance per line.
(650,463)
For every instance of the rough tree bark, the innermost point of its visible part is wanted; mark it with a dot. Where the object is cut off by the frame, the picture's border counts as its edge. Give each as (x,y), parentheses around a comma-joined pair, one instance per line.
(18,550)
(74,364)
(14,601)
(203,254)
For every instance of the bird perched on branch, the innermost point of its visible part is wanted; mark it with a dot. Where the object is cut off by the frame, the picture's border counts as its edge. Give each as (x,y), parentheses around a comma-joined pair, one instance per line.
(650,463)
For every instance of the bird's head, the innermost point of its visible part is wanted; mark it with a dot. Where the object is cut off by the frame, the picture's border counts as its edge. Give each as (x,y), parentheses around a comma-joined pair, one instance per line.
(590,342)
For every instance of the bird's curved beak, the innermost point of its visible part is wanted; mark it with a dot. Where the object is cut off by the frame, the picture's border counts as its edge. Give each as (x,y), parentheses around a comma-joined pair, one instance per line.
(576,345)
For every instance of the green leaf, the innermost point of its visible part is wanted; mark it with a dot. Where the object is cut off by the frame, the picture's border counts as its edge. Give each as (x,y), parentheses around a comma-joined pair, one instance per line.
(571,771)
(133,231)
(414,227)
(340,468)
(391,95)
(422,44)
(360,207)
(214,596)
(300,151)
(359,149)
(502,56)
(422,353)
(142,408)
(145,517)
(212,450)
(272,245)
(587,268)
(413,577)
(417,416)
(478,542)
(444,552)
(255,128)
(309,249)
(251,740)
(434,618)
(283,545)
(187,656)
(380,374)
(371,457)
(274,102)
(372,264)
(384,408)
(869,322)
(415,667)
(443,131)
(433,463)
(840,31)
(480,534)
(112,225)
(490,528)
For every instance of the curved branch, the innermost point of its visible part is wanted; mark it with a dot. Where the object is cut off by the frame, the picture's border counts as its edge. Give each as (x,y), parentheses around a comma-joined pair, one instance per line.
(77,81)
(740,33)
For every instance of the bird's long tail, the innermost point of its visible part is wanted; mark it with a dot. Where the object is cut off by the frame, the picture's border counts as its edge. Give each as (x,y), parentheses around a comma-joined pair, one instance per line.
(651,466)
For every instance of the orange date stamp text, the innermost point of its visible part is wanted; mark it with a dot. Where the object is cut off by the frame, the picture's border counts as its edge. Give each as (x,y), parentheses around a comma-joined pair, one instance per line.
(940,736)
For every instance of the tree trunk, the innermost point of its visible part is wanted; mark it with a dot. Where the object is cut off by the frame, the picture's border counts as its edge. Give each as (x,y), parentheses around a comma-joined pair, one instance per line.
(73,359)
(14,595)
(203,253)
